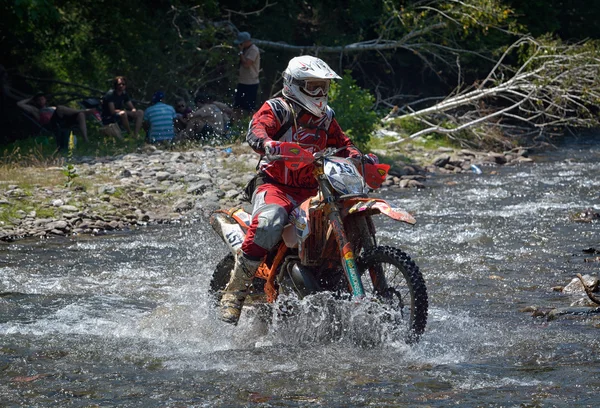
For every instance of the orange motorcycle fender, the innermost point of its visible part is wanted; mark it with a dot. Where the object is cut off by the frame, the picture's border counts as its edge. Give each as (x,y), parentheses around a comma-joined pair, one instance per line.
(376,205)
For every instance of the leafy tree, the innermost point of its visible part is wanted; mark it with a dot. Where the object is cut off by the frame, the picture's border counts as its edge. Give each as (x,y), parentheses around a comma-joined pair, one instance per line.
(403,51)
(354,110)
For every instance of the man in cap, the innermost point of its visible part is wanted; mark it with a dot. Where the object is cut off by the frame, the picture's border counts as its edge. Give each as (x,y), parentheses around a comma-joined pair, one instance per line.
(247,87)
(159,117)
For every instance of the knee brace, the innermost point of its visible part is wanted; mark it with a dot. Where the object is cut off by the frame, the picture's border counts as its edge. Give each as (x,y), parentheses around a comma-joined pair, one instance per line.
(271,220)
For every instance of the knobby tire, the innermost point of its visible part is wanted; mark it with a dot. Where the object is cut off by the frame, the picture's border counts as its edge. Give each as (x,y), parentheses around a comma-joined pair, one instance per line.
(397,282)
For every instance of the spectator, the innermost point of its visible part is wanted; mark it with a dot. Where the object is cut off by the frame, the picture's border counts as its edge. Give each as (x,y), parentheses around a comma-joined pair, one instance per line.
(211,118)
(182,111)
(247,87)
(55,116)
(116,105)
(159,117)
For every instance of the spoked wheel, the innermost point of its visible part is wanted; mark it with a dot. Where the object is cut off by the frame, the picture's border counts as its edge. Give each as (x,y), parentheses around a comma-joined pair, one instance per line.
(221,276)
(397,282)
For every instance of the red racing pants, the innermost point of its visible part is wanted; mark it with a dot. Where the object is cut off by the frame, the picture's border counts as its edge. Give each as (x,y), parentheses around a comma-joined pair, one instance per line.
(272,204)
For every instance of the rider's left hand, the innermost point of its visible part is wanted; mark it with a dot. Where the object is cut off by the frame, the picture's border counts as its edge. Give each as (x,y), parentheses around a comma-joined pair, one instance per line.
(371,158)
(272,148)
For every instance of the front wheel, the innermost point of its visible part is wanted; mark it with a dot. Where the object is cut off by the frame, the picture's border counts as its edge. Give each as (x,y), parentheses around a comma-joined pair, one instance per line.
(397,282)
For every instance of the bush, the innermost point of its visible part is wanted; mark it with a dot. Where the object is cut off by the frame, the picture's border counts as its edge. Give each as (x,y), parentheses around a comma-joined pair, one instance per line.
(353,110)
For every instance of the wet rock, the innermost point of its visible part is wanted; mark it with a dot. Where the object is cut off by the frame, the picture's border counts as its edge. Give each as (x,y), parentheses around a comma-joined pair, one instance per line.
(183,205)
(199,187)
(233,193)
(162,175)
(125,174)
(587,215)
(576,311)
(57,225)
(442,161)
(107,189)
(575,286)
(497,157)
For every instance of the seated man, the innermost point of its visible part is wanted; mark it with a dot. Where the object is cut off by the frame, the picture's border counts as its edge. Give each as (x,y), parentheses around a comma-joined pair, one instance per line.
(183,111)
(159,117)
(55,116)
(116,105)
(211,118)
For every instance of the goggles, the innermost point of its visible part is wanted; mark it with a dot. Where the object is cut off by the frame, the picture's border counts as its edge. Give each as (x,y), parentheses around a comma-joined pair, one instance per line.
(315,87)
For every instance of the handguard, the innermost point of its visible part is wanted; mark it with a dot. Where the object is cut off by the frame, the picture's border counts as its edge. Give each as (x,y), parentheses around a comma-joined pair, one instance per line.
(375,174)
(293,156)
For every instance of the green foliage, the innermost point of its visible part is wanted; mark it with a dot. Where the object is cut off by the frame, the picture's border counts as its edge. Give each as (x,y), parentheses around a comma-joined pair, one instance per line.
(70,172)
(69,169)
(182,46)
(408,125)
(354,110)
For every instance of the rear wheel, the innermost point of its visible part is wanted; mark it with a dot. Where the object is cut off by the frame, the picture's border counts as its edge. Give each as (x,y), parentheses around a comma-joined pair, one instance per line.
(221,276)
(390,275)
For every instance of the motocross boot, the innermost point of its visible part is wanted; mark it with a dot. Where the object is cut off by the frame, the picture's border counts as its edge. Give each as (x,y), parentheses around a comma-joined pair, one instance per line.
(236,290)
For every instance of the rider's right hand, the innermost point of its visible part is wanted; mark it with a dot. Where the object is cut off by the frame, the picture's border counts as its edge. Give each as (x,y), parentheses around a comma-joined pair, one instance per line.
(371,158)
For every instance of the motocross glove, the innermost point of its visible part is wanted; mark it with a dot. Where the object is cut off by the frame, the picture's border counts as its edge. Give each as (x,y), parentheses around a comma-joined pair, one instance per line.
(272,148)
(371,158)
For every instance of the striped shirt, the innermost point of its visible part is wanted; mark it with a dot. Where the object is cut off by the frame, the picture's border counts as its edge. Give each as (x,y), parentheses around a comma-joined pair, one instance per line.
(160,116)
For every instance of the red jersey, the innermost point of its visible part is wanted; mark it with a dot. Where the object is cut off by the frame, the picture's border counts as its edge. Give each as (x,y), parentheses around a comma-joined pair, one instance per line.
(312,133)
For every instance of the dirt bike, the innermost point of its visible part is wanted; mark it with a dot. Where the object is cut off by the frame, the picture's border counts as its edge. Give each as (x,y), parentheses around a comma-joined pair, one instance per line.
(330,243)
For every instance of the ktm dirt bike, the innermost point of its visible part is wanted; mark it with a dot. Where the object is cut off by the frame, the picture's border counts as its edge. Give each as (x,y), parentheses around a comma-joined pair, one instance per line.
(330,243)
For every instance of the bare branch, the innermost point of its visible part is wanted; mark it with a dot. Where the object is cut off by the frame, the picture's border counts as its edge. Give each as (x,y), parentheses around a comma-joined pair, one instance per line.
(588,290)
(556,87)
(250,13)
(372,45)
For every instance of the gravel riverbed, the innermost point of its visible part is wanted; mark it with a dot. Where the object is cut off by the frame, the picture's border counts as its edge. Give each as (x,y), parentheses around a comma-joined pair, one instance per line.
(153,186)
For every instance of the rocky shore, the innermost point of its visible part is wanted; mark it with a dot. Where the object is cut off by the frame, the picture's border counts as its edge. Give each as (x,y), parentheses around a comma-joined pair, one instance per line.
(154,186)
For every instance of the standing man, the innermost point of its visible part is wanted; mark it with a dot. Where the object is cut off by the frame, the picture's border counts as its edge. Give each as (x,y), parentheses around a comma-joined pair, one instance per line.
(116,105)
(247,87)
(159,117)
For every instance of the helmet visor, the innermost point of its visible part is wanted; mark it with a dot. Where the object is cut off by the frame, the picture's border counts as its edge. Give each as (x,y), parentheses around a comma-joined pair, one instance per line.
(316,87)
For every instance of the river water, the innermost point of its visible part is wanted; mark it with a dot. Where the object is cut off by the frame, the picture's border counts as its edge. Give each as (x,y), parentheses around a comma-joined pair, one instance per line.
(125,320)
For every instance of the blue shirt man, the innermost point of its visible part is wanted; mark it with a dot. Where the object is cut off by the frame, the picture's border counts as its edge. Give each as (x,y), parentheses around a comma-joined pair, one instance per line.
(160,117)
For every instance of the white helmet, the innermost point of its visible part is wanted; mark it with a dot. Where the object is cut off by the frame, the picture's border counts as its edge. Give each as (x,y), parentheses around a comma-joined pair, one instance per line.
(306,80)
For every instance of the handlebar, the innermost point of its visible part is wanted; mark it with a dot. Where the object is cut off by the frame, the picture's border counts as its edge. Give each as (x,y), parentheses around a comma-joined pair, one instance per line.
(295,157)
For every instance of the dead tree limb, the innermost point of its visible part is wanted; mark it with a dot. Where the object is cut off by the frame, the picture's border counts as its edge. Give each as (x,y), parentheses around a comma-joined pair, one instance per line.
(556,87)
(371,45)
(588,290)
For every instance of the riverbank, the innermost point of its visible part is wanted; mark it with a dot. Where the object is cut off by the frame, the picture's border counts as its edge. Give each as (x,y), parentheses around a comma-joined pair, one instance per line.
(153,186)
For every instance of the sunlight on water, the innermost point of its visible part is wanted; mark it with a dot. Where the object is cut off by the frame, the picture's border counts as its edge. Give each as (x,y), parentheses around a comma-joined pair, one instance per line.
(127,319)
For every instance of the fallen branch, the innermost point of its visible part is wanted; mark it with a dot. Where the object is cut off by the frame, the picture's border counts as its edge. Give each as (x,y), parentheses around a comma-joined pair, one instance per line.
(588,290)
(556,88)
(372,45)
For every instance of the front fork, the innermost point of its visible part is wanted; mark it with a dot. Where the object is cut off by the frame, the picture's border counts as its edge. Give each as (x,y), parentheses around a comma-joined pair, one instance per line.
(345,249)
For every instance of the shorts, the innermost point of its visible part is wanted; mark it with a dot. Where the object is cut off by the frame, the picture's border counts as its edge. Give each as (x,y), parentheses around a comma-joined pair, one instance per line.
(107,120)
(57,122)
(245,97)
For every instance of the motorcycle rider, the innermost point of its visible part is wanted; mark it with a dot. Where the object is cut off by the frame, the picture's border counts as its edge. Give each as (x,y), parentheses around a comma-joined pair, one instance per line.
(301,116)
